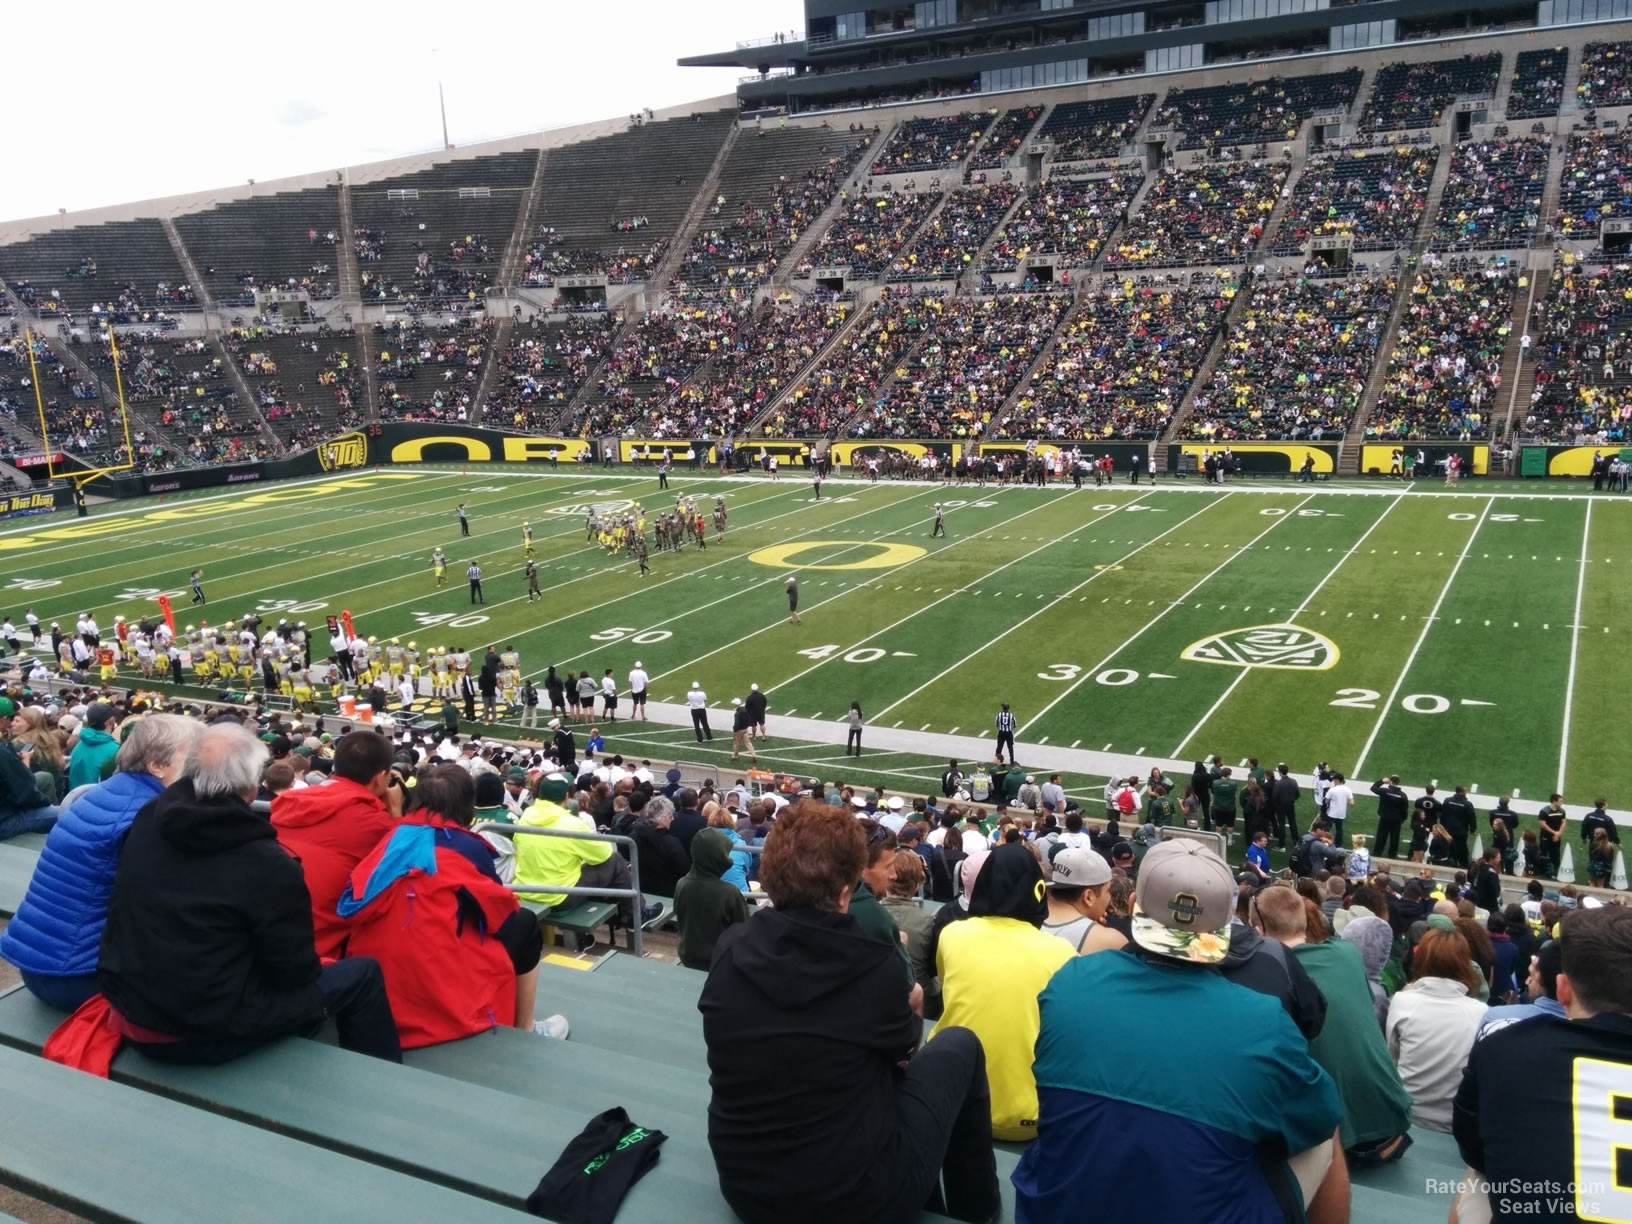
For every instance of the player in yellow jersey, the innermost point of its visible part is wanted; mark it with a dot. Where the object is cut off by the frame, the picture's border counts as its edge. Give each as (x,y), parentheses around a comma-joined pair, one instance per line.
(527,549)
(439,567)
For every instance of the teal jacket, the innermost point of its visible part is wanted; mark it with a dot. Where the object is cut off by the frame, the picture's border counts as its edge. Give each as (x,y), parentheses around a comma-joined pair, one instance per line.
(94,750)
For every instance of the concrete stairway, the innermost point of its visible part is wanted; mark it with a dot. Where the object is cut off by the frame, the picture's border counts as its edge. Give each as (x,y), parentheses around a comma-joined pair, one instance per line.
(246,396)
(501,342)
(680,243)
(1006,409)
(1519,380)
(818,225)
(351,281)
(1204,373)
(515,254)
(970,280)
(1504,84)
(755,427)
(186,261)
(366,350)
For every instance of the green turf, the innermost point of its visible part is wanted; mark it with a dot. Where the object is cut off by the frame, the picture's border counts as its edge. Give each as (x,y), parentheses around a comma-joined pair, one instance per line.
(1076,607)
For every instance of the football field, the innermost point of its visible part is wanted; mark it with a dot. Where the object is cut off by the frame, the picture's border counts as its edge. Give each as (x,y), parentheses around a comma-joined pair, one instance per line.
(1475,636)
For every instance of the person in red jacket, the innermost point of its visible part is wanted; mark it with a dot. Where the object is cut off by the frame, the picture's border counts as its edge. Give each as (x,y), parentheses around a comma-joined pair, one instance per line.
(459,953)
(330,829)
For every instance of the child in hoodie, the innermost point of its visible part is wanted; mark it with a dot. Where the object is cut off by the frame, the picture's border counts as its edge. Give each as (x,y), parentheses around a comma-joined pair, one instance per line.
(705,902)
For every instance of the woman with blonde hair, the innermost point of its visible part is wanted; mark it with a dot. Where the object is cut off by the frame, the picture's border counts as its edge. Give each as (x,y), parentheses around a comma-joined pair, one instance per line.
(716,816)
(29,727)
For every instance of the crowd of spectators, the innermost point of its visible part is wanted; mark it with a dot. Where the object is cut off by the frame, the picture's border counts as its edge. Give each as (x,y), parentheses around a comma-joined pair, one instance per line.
(1606,75)
(1493,195)
(1583,353)
(854,373)
(974,353)
(763,358)
(655,359)
(1416,95)
(1066,218)
(1252,112)
(548,257)
(1538,83)
(1122,366)
(153,366)
(1005,138)
(1195,215)
(1597,182)
(427,370)
(1443,378)
(1374,197)
(869,231)
(741,243)
(460,274)
(1295,365)
(947,245)
(542,368)
(931,143)
(1081,131)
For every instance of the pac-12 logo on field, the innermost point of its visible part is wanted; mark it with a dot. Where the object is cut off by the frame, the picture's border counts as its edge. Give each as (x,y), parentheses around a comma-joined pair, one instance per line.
(1285,647)
(596,508)
(347,451)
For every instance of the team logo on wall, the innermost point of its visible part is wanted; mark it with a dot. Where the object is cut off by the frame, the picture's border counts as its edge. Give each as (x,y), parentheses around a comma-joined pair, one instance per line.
(347,451)
(598,509)
(1283,647)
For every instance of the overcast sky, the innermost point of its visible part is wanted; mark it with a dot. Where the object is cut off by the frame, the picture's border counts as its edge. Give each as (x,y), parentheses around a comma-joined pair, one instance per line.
(118,102)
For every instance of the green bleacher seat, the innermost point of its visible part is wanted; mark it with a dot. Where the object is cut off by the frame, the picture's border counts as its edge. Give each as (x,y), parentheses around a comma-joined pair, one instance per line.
(582,915)
(16,869)
(111,1152)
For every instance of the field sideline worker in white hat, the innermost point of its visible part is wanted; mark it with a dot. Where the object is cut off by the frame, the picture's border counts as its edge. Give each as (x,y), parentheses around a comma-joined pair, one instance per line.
(697,703)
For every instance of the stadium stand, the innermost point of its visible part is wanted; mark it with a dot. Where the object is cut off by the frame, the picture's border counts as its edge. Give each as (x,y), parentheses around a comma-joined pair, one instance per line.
(762,358)
(1416,95)
(652,362)
(973,354)
(922,145)
(440,233)
(1606,75)
(307,383)
(77,418)
(124,271)
(1376,197)
(1583,356)
(1095,129)
(869,230)
(1005,138)
(1538,83)
(1295,365)
(1254,112)
(429,371)
(1209,214)
(773,187)
(946,246)
(1445,372)
(853,373)
(542,368)
(1067,218)
(1122,364)
(594,193)
(287,241)
(1493,194)
(1597,171)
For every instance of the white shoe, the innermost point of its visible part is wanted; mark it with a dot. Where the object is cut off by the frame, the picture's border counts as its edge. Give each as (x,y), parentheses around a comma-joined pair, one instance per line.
(552,1026)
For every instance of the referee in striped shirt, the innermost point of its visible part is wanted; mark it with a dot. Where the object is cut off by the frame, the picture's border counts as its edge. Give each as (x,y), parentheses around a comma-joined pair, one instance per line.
(1005,732)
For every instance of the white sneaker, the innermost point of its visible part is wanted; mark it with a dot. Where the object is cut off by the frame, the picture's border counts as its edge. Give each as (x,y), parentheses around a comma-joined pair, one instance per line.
(552,1026)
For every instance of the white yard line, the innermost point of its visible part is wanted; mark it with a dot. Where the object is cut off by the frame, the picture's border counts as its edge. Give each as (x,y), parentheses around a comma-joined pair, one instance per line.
(1427,627)
(1098,573)
(1296,612)
(1140,632)
(1575,647)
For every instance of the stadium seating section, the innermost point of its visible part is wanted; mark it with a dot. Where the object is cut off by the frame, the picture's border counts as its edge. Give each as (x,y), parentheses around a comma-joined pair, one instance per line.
(1210,214)
(542,368)
(853,373)
(1067,218)
(427,370)
(870,230)
(1084,130)
(1416,95)
(181,389)
(653,361)
(1375,197)
(289,241)
(1443,378)
(1295,364)
(308,383)
(1583,356)
(948,244)
(123,270)
(1493,195)
(1121,365)
(1253,112)
(1606,75)
(1538,83)
(774,185)
(1597,178)
(931,144)
(1005,138)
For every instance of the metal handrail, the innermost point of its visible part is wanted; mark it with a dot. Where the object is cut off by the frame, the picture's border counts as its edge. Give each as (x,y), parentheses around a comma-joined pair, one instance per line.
(636,930)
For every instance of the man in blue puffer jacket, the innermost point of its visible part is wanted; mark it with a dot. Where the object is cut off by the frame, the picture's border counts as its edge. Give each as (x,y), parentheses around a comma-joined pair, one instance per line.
(57,931)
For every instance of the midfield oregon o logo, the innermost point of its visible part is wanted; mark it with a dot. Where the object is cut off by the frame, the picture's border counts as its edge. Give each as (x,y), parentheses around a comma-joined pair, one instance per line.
(886,555)
(1280,647)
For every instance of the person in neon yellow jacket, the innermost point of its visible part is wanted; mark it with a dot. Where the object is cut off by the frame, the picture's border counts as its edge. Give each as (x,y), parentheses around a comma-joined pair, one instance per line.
(569,862)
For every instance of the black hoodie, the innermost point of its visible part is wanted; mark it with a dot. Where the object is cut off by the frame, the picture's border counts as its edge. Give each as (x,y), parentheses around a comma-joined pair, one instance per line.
(1263,965)
(209,928)
(806,1023)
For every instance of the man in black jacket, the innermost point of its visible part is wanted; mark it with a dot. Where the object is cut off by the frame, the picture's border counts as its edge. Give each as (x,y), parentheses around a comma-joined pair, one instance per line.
(1458,816)
(840,1130)
(756,705)
(1392,810)
(1285,799)
(664,859)
(208,952)
(688,820)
